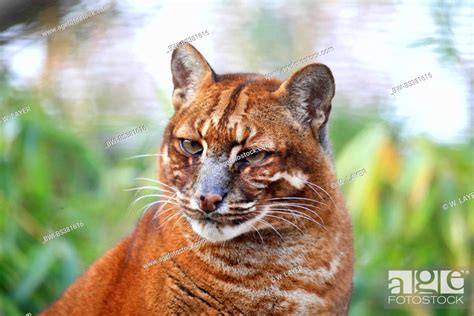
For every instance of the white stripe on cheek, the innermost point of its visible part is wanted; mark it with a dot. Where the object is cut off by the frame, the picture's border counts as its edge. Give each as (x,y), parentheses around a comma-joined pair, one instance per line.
(258,185)
(297,180)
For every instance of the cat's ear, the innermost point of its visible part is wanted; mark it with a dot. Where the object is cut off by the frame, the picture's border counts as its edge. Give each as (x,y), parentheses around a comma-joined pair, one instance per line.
(308,94)
(189,70)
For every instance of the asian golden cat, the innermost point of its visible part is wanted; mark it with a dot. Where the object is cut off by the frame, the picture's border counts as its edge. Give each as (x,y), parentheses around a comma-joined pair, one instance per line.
(264,234)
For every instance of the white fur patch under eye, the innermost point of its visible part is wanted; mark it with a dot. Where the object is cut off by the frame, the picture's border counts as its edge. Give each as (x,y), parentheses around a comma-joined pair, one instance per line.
(204,150)
(233,153)
(297,179)
(258,185)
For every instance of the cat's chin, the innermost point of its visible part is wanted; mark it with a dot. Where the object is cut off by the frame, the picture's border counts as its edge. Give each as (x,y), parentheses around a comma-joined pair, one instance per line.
(215,232)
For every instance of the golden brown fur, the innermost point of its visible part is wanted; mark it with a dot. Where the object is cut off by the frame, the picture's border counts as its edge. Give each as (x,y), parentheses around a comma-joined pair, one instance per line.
(233,275)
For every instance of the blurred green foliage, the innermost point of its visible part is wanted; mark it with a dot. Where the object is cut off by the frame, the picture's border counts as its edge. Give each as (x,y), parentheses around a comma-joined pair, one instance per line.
(51,178)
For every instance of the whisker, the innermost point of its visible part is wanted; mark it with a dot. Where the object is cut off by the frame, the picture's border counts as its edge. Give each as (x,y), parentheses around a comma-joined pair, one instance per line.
(150,187)
(139,189)
(272,227)
(280,204)
(309,184)
(159,182)
(158,212)
(130,206)
(257,233)
(317,186)
(299,205)
(286,221)
(182,215)
(163,212)
(158,201)
(146,207)
(141,156)
(136,193)
(292,198)
(168,219)
(153,195)
(299,214)
(150,195)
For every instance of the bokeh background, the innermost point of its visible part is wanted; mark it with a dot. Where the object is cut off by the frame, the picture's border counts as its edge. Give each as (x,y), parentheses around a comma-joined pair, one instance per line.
(110,73)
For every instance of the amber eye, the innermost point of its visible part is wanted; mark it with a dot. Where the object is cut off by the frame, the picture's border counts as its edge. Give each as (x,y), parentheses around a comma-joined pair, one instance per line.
(256,157)
(191,146)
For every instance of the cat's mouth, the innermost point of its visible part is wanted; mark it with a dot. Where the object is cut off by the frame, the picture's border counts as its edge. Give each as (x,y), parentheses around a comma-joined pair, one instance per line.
(218,219)
(221,226)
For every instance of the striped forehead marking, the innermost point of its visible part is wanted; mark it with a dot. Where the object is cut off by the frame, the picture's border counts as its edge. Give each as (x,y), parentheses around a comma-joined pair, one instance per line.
(218,110)
(231,105)
(230,102)
(205,127)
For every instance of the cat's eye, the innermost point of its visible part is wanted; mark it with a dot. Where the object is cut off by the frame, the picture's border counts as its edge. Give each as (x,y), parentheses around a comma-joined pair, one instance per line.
(257,157)
(191,146)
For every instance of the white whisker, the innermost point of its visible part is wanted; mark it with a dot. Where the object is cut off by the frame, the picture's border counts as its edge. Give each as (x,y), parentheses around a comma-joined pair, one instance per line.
(166,202)
(182,215)
(150,195)
(141,156)
(299,205)
(159,182)
(296,213)
(272,227)
(168,219)
(159,201)
(291,198)
(317,186)
(257,233)
(286,221)
(150,187)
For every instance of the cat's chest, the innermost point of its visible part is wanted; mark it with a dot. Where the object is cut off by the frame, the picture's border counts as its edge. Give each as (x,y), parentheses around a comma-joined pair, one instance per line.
(244,279)
(230,298)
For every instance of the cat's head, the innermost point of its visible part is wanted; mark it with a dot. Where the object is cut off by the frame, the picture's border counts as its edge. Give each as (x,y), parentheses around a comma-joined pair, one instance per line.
(237,140)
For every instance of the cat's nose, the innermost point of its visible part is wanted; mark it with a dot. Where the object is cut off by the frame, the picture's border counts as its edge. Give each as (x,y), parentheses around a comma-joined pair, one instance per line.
(208,202)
